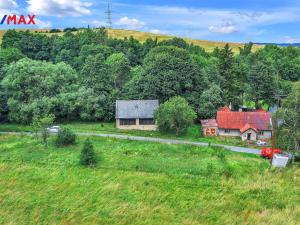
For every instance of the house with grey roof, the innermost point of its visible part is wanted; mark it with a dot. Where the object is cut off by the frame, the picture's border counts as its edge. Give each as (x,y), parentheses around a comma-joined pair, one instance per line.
(136,114)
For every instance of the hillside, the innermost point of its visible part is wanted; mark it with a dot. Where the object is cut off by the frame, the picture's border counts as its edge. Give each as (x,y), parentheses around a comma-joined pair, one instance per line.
(141,183)
(142,36)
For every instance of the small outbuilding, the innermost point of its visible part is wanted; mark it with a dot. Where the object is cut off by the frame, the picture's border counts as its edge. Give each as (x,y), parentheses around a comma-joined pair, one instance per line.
(210,127)
(136,114)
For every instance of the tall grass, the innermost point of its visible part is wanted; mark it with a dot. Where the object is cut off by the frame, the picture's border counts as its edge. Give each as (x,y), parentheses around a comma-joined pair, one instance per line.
(141,183)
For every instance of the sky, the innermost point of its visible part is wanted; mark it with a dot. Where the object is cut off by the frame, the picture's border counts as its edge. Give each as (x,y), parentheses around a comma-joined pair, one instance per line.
(276,21)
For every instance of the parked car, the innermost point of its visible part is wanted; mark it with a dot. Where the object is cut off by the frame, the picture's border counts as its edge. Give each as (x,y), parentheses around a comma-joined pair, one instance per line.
(268,152)
(53,129)
(261,143)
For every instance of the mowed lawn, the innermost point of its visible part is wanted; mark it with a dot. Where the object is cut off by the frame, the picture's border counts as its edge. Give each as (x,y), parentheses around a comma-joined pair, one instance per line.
(142,183)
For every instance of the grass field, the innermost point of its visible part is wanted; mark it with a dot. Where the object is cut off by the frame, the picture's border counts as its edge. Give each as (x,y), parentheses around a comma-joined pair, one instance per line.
(193,134)
(142,36)
(142,183)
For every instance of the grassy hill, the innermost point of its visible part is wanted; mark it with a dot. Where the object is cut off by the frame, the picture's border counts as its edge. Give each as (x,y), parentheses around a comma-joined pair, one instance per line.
(142,36)
(142,183)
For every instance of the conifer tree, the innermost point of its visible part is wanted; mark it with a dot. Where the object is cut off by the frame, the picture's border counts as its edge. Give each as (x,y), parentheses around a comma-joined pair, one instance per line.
(88,156)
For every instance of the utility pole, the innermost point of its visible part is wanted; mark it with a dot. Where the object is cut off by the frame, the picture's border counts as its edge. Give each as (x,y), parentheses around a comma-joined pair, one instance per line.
(108,13)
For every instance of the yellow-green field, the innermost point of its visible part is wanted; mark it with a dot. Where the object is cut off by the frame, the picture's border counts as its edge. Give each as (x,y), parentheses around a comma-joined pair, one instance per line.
(142,36)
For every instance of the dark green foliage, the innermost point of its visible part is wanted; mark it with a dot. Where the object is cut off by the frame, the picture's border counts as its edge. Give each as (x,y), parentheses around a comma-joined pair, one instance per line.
(65,137)
(55,31)
(97,96)
(226,65)
(40,125)
(119,69)
(36,88)
(88,156)
(246,50)
(175,116)
(176,42)
(70,29)
(262,83)
(168,72)
(210,101)
(289,131)
(110,69)
(9,55)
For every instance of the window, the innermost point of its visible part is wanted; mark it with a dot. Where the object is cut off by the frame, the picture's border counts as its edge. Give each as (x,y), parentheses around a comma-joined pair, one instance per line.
(227,131)
(261,133)
(210,131)
(147,122)
(127,122)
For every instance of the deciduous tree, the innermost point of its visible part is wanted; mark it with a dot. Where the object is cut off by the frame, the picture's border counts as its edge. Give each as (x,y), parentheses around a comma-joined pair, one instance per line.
(175,115)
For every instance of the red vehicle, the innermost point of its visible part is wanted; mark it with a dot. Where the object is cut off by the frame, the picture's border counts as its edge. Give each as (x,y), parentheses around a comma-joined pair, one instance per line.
(268,152)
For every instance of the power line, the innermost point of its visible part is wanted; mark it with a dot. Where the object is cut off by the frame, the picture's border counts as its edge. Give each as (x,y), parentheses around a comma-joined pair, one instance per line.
(108,13)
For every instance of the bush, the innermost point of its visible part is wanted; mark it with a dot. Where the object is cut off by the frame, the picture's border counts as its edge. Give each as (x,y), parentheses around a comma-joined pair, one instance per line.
(88,156)
(40,125)
(65,137)
(175,115)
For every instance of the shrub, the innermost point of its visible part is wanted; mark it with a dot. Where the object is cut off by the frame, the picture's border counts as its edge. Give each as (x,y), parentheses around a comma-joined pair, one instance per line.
(40,125)
(88,156)
(65,137)
(175,115)
(220,153)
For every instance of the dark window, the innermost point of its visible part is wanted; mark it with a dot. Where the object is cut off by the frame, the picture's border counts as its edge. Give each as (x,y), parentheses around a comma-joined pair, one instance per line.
(147,122)
(227,131)
(261,133)
(127,121)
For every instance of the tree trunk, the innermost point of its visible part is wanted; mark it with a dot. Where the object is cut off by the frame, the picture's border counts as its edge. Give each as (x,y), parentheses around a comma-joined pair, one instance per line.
(256,104)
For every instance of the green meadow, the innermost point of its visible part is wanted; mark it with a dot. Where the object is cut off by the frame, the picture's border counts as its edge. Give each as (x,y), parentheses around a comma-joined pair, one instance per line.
(142,183)
(194,133)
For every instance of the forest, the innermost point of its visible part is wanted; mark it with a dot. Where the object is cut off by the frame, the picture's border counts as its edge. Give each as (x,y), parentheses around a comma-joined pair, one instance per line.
(79,75)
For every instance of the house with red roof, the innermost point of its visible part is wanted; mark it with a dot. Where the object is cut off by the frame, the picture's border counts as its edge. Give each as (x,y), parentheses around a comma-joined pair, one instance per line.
(251,126)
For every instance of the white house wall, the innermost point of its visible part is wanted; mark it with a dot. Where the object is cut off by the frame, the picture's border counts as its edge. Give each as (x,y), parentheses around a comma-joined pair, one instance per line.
(253,135)
(233,133)
(267,135)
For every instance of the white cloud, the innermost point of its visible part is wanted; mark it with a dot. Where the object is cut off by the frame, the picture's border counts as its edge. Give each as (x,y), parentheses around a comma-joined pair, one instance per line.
(205,21)
(226,28)
(290,40)
(156,31)
(8,4)
(131,23)
(43,24)
(98,23)
(59,7)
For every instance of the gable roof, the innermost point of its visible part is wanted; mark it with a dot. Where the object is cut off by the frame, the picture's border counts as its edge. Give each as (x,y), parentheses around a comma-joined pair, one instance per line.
(209,123)
(247,127)
(133,109)
(237,120)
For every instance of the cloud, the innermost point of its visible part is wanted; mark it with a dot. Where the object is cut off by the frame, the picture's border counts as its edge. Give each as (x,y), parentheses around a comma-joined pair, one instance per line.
(226,28)
(98,23)
(43,24)
(59,7)
(131,23)
(8,4)
(290,40)
(156,31)
(207,21)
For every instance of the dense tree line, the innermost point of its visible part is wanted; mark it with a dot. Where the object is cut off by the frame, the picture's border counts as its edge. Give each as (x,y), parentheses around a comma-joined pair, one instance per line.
(79,75)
